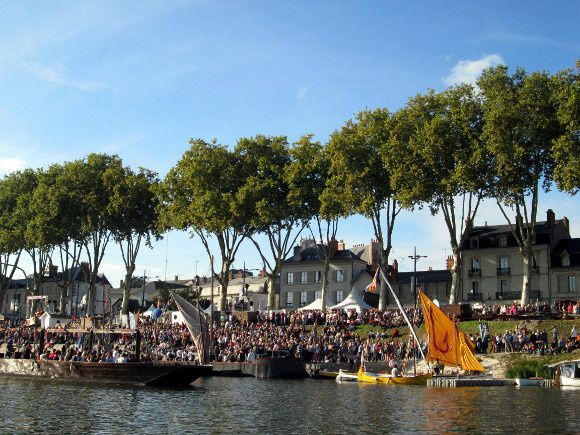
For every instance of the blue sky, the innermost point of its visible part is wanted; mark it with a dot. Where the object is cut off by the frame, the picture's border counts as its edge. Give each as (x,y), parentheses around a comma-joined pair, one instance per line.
(140,78)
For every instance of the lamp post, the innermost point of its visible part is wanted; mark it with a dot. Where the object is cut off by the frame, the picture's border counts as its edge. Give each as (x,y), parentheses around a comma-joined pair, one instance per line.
(415,257)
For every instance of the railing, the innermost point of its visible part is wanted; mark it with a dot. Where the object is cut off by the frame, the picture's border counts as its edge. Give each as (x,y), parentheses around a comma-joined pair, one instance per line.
(475,297)
(474,272)
(503,270)
(534,294)
(508,295)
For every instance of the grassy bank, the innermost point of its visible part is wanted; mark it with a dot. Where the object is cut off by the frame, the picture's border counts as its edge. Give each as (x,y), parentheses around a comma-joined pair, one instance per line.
(472,327)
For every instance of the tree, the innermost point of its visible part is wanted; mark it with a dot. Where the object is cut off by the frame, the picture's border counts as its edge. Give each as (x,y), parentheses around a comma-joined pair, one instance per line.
(360,178)
(308,176)
(134,207)
(201,194)
(264,161)
(12,229)
(442,162)
(566,85)
(95,177)
(520,125)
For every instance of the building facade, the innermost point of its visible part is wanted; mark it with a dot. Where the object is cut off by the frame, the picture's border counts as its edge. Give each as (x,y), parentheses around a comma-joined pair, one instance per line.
(492,268)
(302,274)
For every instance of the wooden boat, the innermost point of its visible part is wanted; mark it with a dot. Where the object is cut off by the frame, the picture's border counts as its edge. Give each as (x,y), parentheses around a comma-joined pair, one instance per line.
(275,367)
(155,374)
(529,382)
(567,373)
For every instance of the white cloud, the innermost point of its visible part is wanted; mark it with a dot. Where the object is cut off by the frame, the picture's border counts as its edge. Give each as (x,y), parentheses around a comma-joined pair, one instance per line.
(53,75)
(10,164)
(301,93)
(468,71)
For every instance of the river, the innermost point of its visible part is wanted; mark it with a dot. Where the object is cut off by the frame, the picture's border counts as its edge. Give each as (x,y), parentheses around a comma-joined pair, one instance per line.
(245,405)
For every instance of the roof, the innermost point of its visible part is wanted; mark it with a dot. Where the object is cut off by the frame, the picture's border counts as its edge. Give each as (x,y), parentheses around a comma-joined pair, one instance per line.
(489,235)
(312,254)
(571,247)
(424,276)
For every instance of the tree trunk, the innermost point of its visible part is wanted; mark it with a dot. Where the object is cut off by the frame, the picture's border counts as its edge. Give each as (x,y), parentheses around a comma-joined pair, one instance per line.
(384,265)
(127,291)
(527,275)
(271,292)
(63,299)
(455,274)
(325,282)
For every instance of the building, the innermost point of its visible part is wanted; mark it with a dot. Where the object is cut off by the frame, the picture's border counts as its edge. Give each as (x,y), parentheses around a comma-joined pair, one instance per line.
(301,274)
(565,269)
(434,283)
(16,295)
(492,265)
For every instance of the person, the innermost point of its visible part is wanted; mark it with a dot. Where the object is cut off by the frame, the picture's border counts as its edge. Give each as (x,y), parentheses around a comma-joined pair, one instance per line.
(251,356)
(573,333)
(438,367)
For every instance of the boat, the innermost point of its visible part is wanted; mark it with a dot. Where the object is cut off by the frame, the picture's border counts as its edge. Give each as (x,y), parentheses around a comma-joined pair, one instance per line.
(567,373)
(275,367)
(154,374)
(529,382)
(345,376)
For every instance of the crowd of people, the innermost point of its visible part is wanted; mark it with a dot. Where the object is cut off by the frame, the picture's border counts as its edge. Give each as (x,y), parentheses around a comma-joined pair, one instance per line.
(311,335)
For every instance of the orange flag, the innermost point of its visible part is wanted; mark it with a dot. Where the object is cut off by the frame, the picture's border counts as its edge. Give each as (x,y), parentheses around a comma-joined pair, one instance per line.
(447,343)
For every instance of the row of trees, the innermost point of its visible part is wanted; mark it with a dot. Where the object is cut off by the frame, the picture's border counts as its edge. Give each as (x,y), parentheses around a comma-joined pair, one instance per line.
(58,214)
(506,139)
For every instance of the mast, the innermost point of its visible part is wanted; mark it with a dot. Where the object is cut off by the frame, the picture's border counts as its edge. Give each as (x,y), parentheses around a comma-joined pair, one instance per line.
(405,316)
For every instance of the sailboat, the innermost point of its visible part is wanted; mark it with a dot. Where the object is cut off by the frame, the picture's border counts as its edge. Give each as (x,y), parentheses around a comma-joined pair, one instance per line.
(447,344)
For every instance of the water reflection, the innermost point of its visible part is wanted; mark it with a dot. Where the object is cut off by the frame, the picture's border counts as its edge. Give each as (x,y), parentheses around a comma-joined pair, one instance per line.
(244,405)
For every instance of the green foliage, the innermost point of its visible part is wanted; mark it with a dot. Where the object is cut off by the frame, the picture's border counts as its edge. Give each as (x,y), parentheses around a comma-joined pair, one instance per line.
(525,369)
(566,88)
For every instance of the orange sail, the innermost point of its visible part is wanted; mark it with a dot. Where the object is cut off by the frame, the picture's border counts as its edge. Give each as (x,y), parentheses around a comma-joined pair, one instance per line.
(447,343)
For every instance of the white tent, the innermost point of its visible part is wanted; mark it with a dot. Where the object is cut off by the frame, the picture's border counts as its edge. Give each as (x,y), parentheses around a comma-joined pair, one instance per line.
(316,305)
(353,301)
(149,311)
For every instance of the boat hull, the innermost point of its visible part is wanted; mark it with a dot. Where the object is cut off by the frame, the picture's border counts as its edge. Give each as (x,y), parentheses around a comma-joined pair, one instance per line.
(275,367)
(520,382)
(161,374)
(569,382)
(373,378)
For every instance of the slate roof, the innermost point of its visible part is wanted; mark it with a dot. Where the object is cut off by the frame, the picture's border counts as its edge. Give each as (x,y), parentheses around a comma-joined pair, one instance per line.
(572,247)
(423,276)
(489,235)
(312,254)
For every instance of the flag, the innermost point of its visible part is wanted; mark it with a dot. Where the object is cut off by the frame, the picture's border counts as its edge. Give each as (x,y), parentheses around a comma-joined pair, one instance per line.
(446,342)
(372,287)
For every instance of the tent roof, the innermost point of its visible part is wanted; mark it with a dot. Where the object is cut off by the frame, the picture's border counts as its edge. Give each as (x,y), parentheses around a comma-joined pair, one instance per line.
(353,301)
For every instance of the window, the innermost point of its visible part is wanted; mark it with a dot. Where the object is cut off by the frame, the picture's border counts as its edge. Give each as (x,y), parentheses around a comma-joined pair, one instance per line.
(303,277)
(503,241)
(303,298)
(475,286)
(503,286)
(290,278)
(339,296)
(534,262)
(504,263)
(561,284)
(339,276)
(565,259)
(474,264)
(474,243)
(572,283)
(318,276)
(318,294)
(289,299)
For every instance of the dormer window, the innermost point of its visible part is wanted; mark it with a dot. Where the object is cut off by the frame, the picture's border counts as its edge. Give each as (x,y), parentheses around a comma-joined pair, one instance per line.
(565,259)
(474,243)
(503,241)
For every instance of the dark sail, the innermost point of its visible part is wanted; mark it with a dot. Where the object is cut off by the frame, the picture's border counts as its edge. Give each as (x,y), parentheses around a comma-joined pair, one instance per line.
(198,324)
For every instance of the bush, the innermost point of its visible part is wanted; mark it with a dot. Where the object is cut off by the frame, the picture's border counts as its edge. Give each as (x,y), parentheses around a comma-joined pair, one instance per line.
(529,369)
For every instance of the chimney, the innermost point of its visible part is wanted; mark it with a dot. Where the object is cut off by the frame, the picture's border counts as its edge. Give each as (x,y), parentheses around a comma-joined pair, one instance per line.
(297,253)
(341,245)
(394,270)
(550,217)
(332,247)
(449,262)
(430,269)
(53,271)
(176,278)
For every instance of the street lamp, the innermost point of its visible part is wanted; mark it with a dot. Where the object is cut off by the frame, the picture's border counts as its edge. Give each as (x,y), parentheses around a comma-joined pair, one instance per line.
(415,257)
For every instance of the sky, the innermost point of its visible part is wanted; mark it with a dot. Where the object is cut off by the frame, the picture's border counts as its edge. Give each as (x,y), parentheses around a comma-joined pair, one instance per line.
(140,78)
